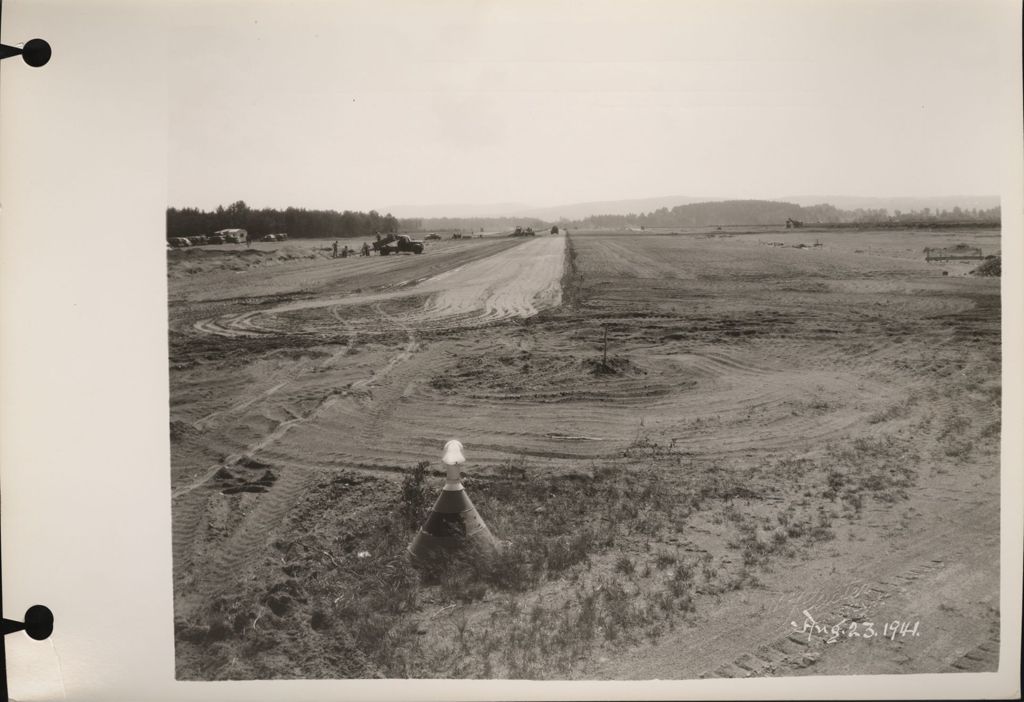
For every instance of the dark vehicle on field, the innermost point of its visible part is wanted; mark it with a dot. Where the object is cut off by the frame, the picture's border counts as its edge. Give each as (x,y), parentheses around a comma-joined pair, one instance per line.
(398,244)
(433,237)
(523,232)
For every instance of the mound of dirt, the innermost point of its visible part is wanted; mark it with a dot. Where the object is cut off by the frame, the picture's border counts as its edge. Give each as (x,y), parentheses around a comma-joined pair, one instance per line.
(530,372)
(292,252)
(188,262)
(232,484)
(250,462)
(616,365)
(991,268)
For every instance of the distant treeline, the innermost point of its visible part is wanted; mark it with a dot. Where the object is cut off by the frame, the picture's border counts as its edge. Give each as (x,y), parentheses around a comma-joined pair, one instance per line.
(473,224)
(295,222)
(768,212)
(302,223)
(909,223)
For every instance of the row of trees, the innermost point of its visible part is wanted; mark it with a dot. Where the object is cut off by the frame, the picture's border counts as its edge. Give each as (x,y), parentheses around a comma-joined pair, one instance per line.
(957,214)
(704,214)
(296,222)
(303,223)
(768,212)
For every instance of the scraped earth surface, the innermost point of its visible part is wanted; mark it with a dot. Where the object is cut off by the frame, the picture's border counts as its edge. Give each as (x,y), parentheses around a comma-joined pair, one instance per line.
(851,389)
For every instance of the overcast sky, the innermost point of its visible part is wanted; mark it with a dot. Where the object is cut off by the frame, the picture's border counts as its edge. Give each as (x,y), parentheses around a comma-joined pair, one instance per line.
(348,105)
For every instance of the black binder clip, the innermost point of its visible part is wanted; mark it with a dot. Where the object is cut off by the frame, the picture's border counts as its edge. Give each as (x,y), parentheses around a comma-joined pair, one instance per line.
(38,623)
(35,52)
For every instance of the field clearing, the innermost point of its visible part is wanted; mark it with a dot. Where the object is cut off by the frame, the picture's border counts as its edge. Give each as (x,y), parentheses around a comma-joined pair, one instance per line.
(776,430)
(209,273)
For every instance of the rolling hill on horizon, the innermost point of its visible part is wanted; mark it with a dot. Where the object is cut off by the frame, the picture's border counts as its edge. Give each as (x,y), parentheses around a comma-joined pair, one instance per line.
(905,204)
(638,206)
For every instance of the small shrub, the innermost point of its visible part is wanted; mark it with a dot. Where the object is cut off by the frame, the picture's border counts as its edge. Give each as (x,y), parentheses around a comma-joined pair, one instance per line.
(624,565)
(664,559)
(414,497)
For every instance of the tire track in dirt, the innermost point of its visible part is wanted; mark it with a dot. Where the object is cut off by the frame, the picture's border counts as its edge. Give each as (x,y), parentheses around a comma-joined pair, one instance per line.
(188,514)
(982,658)
(516,282)
(745,644)
(794,650)
(249,539)
(190,502)
(759,406)
(261,444)
(211,420)
(746,404)
(508,288)
(364,426)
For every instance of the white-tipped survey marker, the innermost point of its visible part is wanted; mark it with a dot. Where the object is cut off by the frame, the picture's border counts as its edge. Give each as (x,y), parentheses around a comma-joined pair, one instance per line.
(453,523)
(453,458)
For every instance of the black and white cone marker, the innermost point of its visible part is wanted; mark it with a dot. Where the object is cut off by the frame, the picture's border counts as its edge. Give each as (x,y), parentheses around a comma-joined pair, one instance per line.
(453,522)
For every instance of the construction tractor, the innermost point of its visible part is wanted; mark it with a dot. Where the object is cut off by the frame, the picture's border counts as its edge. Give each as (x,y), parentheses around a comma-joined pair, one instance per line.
(398,244)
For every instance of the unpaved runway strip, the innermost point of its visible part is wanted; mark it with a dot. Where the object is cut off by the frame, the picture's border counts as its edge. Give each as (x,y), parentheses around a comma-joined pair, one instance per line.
(517,282)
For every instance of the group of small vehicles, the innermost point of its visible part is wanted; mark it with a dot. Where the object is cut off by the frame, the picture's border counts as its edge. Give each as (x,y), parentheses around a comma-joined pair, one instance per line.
(224,236)
(403,243)
(528,231)
(384,245)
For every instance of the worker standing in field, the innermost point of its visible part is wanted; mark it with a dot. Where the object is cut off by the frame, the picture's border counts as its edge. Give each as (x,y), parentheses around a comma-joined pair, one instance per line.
(366,248)
(335,254)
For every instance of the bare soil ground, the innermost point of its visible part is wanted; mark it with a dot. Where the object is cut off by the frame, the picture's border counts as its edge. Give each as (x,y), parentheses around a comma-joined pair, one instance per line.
(778,433)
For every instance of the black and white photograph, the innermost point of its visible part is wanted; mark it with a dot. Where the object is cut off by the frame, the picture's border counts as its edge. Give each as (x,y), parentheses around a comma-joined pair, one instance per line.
(516,432)
(550,341)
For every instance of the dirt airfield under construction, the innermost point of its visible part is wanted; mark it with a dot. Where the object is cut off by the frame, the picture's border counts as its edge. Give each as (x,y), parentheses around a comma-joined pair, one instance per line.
(777,434)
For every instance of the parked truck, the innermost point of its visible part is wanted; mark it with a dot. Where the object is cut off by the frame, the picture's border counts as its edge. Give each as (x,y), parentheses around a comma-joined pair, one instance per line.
(402,243)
